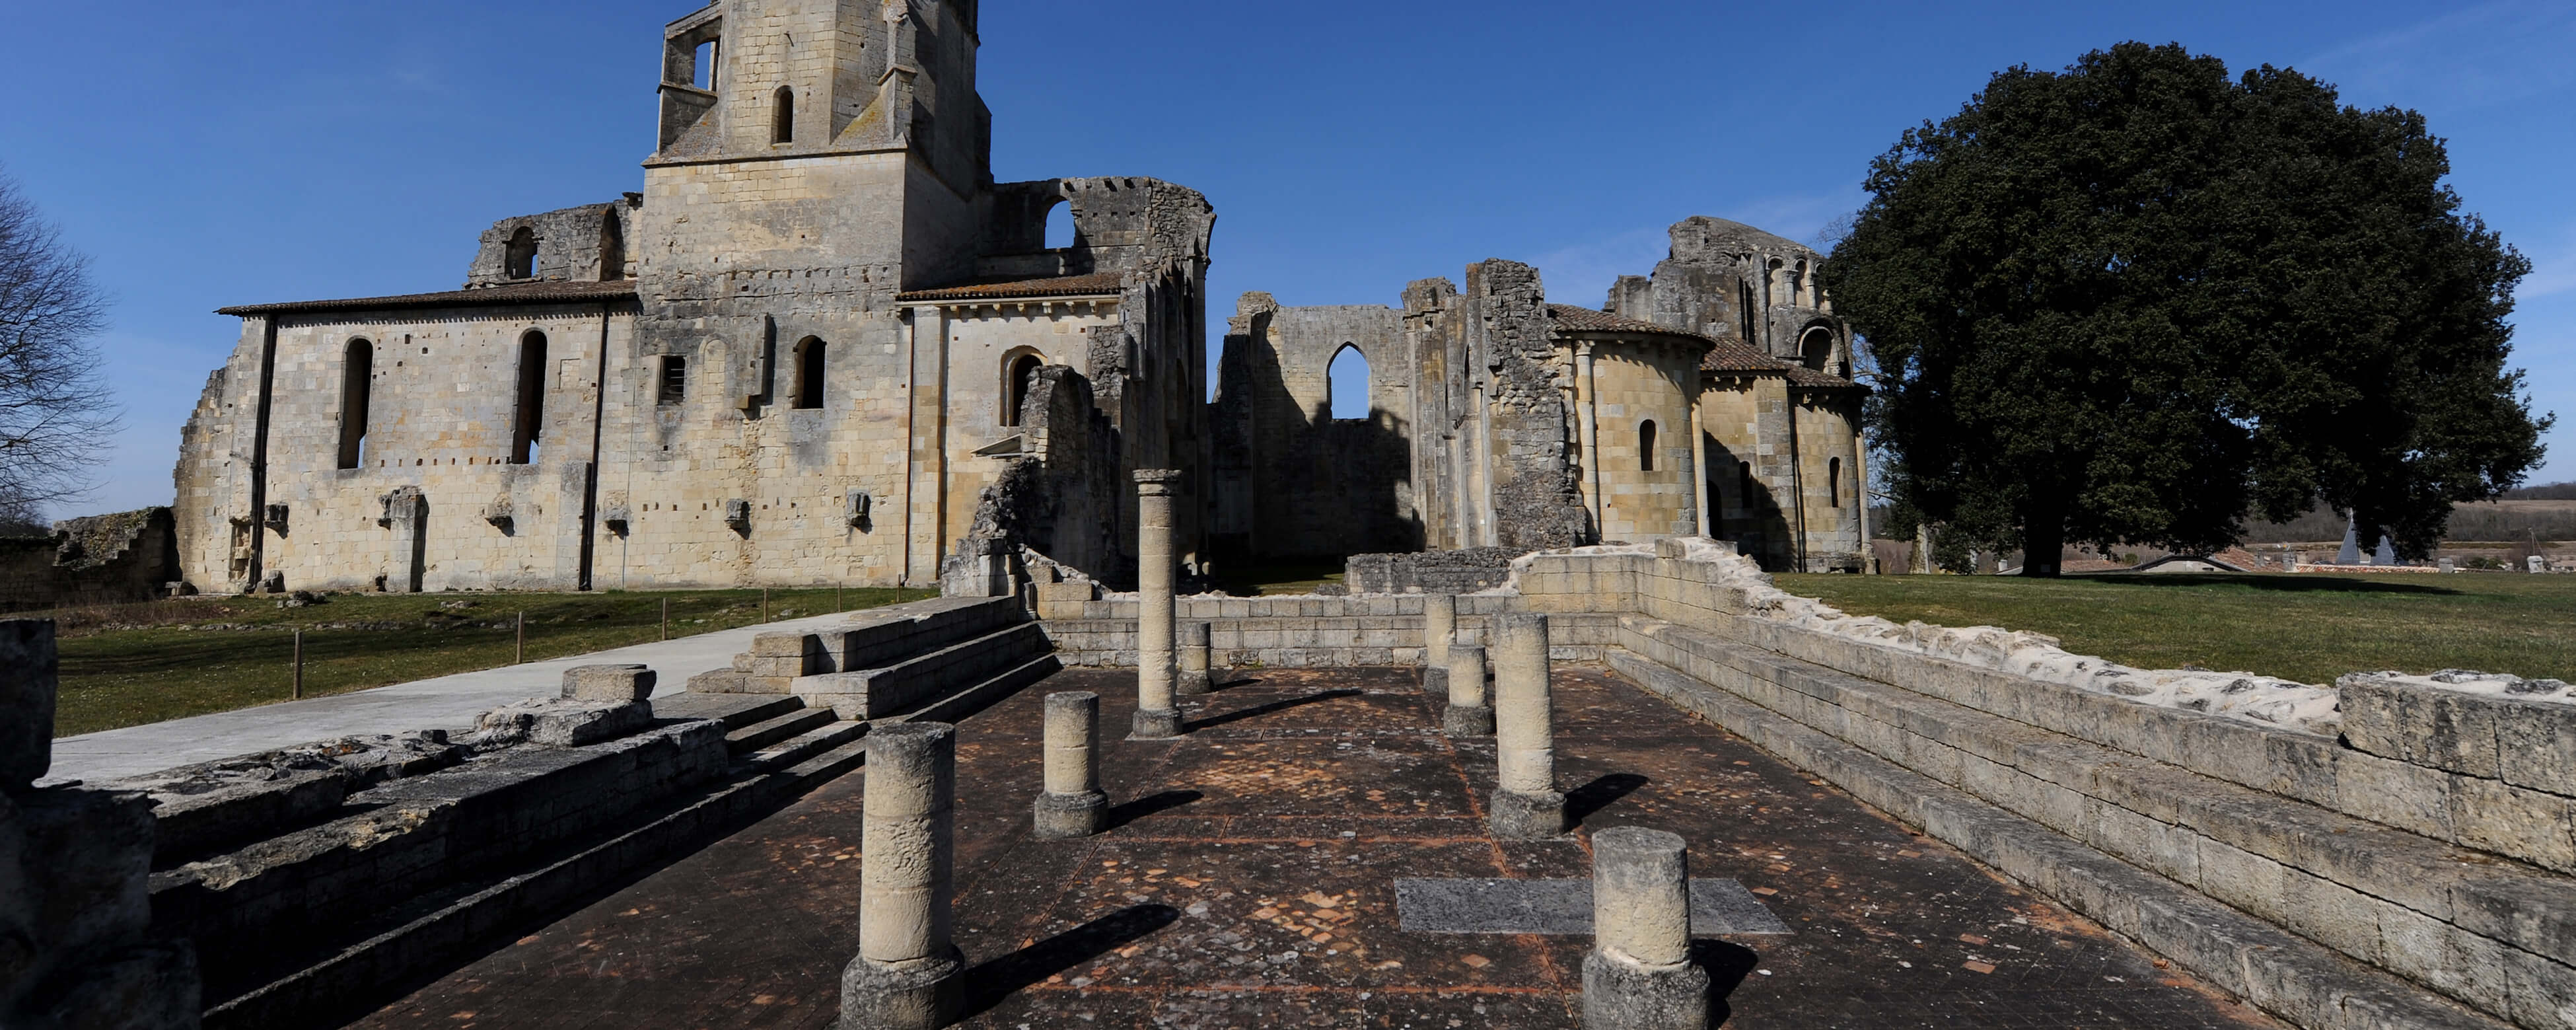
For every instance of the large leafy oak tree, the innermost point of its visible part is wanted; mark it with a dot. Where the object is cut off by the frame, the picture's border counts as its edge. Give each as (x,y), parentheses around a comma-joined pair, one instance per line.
(2133,301)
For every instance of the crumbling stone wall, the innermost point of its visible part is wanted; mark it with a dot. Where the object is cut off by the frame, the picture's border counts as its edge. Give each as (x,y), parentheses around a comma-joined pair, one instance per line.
(1061,496)
(100,559)
(1536,501)
(1302,482)
(586,243)
(76,949)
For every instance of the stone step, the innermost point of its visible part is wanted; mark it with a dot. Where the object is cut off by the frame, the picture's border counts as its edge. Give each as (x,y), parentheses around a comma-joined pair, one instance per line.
(881,692)
(802,746)
(827,766)
(793,722)
(976,698)
(735,711)
(873,639)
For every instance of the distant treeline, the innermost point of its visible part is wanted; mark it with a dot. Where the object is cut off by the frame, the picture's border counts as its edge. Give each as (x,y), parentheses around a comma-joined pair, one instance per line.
(2549,492)
(2469,522)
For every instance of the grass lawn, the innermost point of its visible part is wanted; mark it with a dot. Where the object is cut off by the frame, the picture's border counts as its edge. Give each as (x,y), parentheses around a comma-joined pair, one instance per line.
(134,664)
(1275,577)
(2310,627)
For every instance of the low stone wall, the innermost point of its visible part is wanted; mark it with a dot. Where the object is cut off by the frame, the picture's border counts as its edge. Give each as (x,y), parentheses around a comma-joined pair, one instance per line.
(1308,632)
(76,944)
(102,559)
(2332,884)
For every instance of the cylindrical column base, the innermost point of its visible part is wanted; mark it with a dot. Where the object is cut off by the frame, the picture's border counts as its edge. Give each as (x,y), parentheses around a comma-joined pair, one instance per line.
(1152,725)
(1068,816)
(1197,675)
(922,995)
(1622,995)
(1467,720)
(1515,815)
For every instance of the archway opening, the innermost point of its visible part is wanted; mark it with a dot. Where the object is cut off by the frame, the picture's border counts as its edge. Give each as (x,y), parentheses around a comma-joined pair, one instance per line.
(612,248)
(532,399)
(1020,375)
(1346,380)
(1646,445)
(357,379)
(782,116)
(1059,227)
(1816,349)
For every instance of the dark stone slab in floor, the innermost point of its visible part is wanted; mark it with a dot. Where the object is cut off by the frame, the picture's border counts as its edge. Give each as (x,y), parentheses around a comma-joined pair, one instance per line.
(1223,897)
(1718,907)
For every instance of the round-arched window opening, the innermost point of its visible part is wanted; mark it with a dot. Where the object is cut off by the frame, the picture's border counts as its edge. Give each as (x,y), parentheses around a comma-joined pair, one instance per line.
(357,382)
(782,116)
(519,260)
(1816,349)
(809,373)
(1020,374)
(1346,383)
(1646,446)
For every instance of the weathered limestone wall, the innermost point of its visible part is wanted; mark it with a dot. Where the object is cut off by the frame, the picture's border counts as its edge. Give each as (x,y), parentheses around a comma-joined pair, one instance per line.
(2273,861)
(100,559)
(76,947)
(1634,385)
(1301,482)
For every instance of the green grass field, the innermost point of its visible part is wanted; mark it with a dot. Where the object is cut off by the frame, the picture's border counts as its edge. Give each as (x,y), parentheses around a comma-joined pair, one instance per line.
(134,664)
(2310,628)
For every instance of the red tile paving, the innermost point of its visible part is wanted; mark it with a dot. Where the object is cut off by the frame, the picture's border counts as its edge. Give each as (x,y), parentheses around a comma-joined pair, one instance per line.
(1249,881)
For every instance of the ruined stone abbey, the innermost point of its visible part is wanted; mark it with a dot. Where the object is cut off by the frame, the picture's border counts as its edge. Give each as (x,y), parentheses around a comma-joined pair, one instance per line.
(822,345)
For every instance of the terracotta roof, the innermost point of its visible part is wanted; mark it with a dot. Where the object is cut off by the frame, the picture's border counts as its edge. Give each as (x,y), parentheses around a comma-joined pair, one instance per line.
(1060,286)
(550,292)
(1586,320)
(1736,358)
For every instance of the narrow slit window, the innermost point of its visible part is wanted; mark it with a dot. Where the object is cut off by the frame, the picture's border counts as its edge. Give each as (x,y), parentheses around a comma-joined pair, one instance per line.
(1646,446)
(357,380)
(675,379)
(1834,476)
(809,373)
(782,117)
(530,424)
(1744,485)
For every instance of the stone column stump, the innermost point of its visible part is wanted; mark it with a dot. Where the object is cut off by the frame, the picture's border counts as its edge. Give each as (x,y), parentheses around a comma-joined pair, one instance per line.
(1198,674)
(1156,675)
(909,974)
(1639,974)
(1527,805)
(1439,630)
(1072,805)
(1470,712)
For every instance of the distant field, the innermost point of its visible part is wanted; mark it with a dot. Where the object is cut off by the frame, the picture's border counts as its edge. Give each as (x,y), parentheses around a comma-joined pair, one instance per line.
(2310,628)
(2550,520)
(133,664)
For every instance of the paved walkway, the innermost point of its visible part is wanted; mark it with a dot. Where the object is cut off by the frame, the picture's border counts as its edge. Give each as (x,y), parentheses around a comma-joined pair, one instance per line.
(447,702)
(1250,882)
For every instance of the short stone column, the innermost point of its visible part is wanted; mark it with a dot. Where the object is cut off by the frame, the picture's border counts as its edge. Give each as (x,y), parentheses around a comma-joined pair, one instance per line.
(1156,717)
(1639,974)
(1526,804)
(909,974)
(1470,712)
(1439,630)
(1197,654)
(1072,804)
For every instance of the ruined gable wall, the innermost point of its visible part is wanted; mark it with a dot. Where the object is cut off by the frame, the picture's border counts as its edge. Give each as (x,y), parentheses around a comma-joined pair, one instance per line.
(1444,415)
(212,480)
(575,244)
(1319,485)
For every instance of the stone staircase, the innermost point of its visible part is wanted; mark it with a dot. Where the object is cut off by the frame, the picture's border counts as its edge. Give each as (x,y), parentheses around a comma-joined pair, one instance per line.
(889,662)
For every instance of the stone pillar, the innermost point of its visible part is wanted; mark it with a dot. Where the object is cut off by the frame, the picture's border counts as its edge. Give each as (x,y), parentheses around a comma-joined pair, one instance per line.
(1526,803)
(1072,804)
(909,974)
(406,512)
(1439,630)
(1639,974)
(1469,714)
(1197,659)
(1588,432)
(1156,717)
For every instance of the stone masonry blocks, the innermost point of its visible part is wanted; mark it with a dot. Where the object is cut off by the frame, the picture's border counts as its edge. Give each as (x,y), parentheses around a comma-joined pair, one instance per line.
(613,683)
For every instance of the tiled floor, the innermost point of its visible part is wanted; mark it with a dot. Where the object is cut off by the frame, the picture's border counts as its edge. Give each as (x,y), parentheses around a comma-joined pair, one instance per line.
(1250,882)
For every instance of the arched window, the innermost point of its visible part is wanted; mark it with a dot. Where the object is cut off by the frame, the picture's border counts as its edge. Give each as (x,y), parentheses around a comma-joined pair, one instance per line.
(1346,381)
(532,399)
(1816,350)
(357,378)
(612,248)
(674,381)
(809,373)
(702,65)
(1646,445)
(1059,227)
(521,258)
(1744,485)
(1834,476)
(1018,375)
(782,117)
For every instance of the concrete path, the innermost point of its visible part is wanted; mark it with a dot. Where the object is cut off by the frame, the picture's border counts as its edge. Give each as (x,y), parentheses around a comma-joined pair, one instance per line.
(447,702)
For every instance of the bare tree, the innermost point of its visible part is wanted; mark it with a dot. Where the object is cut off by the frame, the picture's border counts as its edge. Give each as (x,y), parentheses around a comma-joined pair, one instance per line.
(55,409)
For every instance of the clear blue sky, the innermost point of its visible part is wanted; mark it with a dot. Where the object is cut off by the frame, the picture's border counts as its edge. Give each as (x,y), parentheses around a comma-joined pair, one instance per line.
(211,154)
